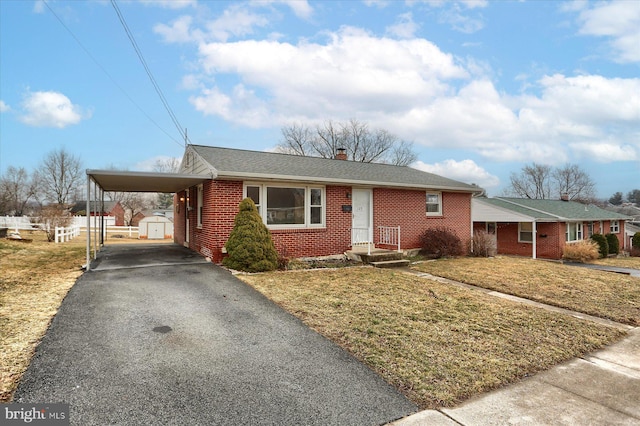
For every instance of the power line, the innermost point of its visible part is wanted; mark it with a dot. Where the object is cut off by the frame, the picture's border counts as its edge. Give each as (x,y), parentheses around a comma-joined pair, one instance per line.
(103,69)
(149,73)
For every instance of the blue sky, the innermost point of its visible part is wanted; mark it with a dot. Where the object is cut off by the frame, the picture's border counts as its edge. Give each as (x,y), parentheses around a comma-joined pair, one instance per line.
(481,88)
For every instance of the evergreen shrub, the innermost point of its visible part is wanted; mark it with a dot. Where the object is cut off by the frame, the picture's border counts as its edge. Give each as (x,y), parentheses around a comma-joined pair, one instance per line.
(603,246)
(250,246)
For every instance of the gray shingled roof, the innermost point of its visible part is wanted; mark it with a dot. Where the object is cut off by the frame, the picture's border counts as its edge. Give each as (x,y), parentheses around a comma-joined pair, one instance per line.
(236,163)
(555,209)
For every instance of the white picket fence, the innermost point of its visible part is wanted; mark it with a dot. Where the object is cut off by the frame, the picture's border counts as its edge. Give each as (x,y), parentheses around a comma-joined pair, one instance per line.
(64,234)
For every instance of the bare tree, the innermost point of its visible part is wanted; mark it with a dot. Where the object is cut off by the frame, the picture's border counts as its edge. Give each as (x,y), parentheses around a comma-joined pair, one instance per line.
(168,165)
(538,181)
(360,142)
(16,189)
(134,203)
(534,181)
(574,183)
(59,177)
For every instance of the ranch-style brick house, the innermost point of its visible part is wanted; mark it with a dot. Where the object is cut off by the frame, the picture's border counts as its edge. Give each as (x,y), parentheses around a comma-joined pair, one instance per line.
(541,228)
(315,206)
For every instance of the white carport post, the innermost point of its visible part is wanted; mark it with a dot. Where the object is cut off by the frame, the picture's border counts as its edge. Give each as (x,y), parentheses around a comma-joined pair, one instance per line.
(87,212)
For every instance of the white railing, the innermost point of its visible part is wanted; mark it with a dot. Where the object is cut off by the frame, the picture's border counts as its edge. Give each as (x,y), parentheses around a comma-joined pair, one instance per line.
(95,221)
(114,230)
(63,234)
(362,237)
(389,236)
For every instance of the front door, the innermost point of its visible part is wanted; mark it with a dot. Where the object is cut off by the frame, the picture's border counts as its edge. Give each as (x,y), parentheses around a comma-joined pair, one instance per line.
(361,229)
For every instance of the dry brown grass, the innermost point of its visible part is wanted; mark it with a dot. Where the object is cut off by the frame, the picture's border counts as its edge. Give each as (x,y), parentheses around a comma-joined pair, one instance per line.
(35,278)
(437,344)
(603,294)
(621,262)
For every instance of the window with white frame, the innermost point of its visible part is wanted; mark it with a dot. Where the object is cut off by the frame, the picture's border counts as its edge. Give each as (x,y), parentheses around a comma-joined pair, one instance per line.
(434,204)
(525,232)
(289,206)
(589,229)
(200,206)
(614,227)
(574,231)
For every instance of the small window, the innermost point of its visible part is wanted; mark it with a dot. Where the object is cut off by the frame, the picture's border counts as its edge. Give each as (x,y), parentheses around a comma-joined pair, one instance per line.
(589,229)
(315,206)
(615,227)
(200,206)
(574,231)
(525,232)
(434,204)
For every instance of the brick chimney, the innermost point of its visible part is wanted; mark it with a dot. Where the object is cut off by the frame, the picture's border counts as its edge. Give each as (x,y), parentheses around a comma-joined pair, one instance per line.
(341,154)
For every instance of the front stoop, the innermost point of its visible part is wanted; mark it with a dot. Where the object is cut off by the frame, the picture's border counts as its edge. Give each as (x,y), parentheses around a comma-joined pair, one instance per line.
(390,263)
(380,258)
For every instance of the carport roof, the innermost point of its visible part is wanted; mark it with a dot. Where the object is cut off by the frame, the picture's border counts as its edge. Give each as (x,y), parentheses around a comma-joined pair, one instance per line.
(125,181)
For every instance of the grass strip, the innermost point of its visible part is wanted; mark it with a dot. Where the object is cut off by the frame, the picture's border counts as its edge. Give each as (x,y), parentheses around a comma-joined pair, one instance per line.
(602,294)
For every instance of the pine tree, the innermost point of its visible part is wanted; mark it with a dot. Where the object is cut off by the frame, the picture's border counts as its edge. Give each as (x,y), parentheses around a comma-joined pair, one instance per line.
(250,246)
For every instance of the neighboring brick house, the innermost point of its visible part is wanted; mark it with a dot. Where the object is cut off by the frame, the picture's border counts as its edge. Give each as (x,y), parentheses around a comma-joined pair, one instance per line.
(541,228)
(314,206)
(111,208)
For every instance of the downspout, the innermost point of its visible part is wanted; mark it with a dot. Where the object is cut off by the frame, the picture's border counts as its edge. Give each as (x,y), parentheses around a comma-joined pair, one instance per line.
(534,228)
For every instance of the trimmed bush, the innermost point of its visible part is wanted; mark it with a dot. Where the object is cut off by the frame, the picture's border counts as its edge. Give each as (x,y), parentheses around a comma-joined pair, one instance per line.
(614,243)
(440,242)
(250,246)
(582,251)
(603,246)
(635,240)
(483,244)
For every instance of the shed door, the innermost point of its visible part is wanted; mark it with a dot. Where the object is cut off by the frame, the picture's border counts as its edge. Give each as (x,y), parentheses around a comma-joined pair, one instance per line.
(155,230)
(362,232)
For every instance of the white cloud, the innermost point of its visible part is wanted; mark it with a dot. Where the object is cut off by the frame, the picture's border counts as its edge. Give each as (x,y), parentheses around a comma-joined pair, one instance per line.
(301,8)
(465,171)
(619,21)
(4,107)
(350,73)
(50,109)
(38,6)
(178,32)
(607,152)
(170,4)
(404,27)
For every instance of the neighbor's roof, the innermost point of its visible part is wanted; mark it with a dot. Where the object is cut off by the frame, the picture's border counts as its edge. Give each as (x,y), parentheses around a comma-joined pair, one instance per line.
(552,210)
(241,164)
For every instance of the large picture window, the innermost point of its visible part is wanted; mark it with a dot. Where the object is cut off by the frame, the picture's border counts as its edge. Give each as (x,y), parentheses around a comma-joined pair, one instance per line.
(288,206)
(574,231)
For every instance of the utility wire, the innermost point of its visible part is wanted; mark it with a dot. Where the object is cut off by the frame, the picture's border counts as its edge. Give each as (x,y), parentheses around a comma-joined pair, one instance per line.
(109,75)
(149,73)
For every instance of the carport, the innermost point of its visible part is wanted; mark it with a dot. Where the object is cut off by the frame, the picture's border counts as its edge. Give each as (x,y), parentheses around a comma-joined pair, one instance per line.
(125,181)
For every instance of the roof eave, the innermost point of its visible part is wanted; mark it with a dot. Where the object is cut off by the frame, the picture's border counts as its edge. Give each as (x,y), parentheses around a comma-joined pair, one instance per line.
(222,175)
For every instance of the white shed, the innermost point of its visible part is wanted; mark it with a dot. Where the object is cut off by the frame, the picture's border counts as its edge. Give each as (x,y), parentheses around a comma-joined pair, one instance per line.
(155,228)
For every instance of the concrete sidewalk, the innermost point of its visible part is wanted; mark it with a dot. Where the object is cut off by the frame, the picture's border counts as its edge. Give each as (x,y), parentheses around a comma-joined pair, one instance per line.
(616,269)
(601,388)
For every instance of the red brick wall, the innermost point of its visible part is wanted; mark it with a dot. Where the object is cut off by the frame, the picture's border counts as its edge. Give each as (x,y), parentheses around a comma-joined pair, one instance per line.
(407,209)
(392,207)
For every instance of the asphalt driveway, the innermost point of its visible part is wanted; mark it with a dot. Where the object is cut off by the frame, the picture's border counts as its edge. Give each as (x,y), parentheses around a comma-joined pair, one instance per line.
(155,335)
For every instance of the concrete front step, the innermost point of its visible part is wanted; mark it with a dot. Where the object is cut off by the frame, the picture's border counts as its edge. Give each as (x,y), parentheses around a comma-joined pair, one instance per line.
(380,256)
(390,263)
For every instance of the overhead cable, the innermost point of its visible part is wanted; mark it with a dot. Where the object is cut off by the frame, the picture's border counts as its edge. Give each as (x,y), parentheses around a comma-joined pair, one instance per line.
(155,84)
(103,69)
